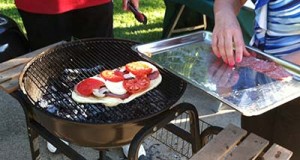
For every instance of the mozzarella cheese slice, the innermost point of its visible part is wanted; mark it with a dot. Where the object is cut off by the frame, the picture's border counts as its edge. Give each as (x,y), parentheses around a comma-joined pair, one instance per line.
(115,87)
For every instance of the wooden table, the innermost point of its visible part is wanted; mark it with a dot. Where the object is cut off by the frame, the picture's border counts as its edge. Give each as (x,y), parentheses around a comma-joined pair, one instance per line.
(10,70)
(233,143)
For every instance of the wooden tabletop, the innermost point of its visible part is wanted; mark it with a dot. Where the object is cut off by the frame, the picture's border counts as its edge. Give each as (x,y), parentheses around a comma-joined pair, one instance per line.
(10,70)
(233,143)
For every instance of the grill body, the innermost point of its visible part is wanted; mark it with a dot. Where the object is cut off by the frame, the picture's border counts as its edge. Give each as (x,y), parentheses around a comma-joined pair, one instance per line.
(98,136)
(49,78)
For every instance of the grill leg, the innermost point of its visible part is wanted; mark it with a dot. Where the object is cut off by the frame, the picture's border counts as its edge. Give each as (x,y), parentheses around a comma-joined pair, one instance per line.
(101,155)
(194,130)
(32,134)
(34,143)
(35,129)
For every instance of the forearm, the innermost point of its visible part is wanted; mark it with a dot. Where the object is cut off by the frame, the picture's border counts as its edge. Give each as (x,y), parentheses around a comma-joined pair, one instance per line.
(227,6)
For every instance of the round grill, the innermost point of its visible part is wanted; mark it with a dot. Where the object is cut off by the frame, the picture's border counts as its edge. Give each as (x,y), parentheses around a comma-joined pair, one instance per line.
(50,77)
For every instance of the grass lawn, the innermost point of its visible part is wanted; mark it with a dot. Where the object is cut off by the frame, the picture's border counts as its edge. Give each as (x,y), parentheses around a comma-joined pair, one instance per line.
(125,25)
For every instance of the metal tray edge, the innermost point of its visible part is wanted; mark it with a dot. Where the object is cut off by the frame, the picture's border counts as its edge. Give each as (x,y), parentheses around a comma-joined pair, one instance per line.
(152,48)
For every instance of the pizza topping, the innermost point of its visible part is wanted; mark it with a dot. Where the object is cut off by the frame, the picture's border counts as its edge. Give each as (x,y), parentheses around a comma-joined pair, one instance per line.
(120,85)
(100,92)
(123,96)
(112,75)
(128,76)
(119,73)
(86,86)
(153,75)
(115,87)
(138,68)
(136,85)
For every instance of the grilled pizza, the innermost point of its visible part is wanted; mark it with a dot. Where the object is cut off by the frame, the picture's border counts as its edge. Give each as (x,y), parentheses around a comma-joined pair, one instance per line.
(121,85)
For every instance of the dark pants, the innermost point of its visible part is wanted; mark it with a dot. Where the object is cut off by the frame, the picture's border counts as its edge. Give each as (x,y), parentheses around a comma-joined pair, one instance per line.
(45,29)
(281,126)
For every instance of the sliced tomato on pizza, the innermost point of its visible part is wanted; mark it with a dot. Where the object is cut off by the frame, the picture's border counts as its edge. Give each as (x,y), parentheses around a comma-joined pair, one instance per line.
(86,87)
(113,76)
(137,84)
(139,68)
(121,85)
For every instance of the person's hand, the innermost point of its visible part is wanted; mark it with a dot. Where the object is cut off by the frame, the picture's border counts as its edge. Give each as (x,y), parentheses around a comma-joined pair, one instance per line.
(227,40)
(125,2)
(223,76)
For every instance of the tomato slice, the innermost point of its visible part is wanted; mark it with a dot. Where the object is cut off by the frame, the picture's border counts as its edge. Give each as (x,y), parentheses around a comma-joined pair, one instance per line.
(114,76)
(138,68)
(136,85)
(86,86)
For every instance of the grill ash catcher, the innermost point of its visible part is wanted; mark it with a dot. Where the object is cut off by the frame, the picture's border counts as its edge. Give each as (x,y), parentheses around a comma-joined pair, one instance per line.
(48,79)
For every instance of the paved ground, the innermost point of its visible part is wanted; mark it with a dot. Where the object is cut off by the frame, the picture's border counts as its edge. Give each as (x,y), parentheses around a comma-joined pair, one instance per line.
(14,143)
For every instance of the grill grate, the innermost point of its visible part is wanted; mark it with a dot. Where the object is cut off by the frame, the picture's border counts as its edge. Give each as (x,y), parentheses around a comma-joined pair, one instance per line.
(50,78)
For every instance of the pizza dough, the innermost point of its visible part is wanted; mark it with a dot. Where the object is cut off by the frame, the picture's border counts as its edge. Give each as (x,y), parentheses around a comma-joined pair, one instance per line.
(113,101)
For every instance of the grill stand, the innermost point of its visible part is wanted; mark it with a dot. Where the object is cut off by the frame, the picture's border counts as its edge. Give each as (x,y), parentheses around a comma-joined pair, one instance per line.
(193,137)
(162,121)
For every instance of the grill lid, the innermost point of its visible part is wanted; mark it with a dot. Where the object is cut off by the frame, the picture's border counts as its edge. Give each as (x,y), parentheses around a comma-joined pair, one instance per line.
(49,79)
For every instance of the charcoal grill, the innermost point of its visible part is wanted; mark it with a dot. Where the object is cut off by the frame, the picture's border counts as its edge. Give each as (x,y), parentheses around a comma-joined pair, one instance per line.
(47,81)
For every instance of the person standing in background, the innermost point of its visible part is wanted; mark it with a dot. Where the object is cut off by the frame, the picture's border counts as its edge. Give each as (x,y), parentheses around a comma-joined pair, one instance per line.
(50,21)
(276,32)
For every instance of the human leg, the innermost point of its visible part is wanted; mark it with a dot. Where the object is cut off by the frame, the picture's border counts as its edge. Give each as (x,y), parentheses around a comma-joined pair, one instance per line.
(94,21)
(43,30)
(287,127)
(261,125)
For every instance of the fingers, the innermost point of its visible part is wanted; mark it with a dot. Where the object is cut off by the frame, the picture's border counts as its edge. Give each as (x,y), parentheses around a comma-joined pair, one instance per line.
(246,52)
(239,47)
(124,5)
(135,3)
(221,48)
(229,49)
(215,46)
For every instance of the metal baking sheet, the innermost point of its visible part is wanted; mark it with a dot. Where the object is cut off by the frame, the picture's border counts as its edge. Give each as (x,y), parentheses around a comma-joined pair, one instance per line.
(190,57)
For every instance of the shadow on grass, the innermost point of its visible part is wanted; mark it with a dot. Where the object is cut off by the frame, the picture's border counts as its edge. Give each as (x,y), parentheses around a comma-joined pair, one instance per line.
(140,33)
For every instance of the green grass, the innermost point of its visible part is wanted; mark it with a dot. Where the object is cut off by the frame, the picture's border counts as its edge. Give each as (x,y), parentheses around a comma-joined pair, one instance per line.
(125,25)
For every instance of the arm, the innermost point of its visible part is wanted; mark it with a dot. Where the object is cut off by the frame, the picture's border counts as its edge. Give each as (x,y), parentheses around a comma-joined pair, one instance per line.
(227,34)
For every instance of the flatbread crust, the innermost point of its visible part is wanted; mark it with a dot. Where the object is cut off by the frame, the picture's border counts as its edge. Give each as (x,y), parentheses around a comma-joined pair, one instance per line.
(111,101)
